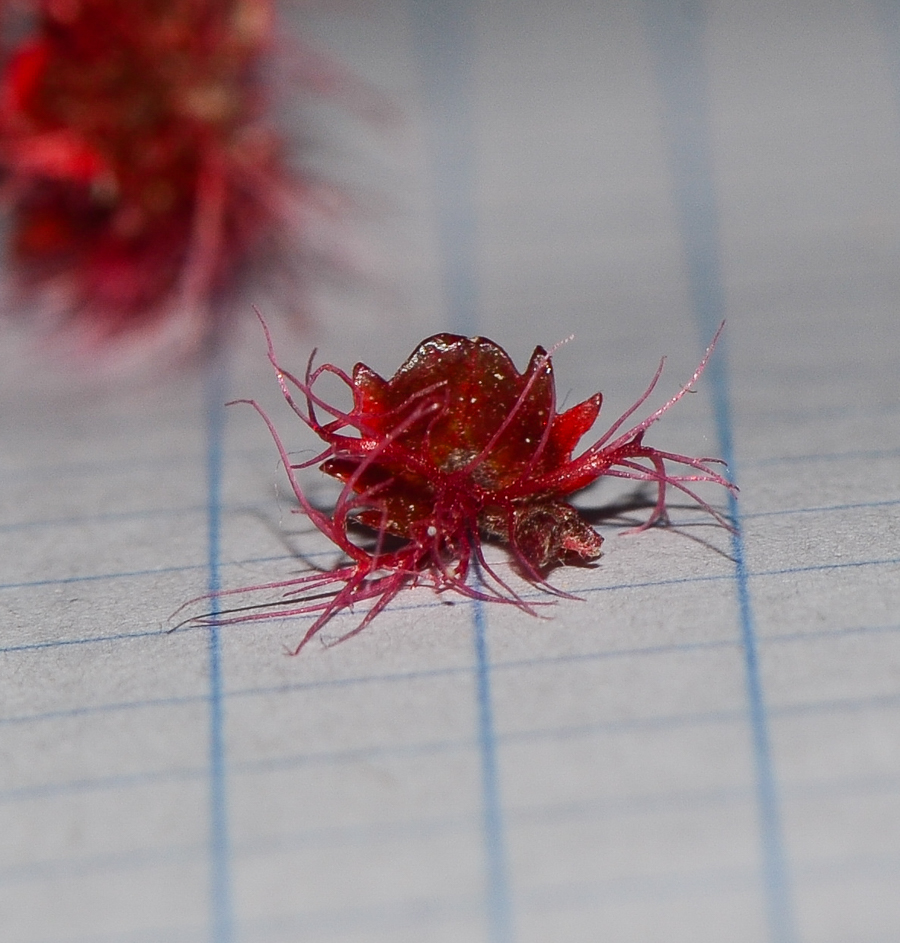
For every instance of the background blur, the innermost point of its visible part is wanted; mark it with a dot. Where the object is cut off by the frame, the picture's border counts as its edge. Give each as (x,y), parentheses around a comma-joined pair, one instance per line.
(707,746)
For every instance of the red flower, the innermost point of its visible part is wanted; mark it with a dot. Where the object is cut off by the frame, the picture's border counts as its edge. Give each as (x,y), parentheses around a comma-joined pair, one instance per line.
(141,167)
(456,447)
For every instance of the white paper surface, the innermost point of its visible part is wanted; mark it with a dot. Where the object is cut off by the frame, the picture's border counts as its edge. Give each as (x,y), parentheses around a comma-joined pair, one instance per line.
(707,746)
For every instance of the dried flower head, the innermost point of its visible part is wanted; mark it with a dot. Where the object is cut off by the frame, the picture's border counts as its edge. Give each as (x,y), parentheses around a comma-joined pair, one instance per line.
(141,166)
(456,447)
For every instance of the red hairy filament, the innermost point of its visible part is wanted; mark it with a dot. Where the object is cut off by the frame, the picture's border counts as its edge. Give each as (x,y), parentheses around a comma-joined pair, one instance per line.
(457,447)
(141,163)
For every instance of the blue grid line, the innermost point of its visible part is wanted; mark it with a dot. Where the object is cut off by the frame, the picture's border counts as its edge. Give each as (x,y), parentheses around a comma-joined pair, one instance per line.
(261,507)
(658,722)
(392,916)
(554,897)
(136,858)
(91,577)
(103,517)
(638,887)
(426,915)
(413,830)
(852,455)
(671,721)
(514,665)
(500,912)
(676,40)
(263,452)
(355,755)
(135,515)
(356,834)
(642,886)
(824,567)
(629,804)
(549,898)
(823,509)
(100,467)
(751,574)
(181,934)
(664,721)
(518,665)
(814,412)
(115,707)
(141,858)
(445,38)
(123,465)
(446,50)
(85,640)
(537,595)
(287,558)
(840,704)
(221,916)
(128,574)
(352,681)
(115,782)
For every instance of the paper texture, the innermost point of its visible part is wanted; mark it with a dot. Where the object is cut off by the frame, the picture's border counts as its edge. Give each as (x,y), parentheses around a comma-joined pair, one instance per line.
(706,746)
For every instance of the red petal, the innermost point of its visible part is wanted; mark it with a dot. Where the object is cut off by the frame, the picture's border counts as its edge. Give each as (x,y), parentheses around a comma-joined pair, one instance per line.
(568,428)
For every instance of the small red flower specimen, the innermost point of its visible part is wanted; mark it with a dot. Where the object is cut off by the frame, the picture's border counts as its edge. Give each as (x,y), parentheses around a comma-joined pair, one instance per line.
(455,447)
(140,164)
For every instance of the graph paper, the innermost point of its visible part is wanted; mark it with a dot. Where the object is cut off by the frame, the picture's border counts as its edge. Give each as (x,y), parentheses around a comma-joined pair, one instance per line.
(705,745)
